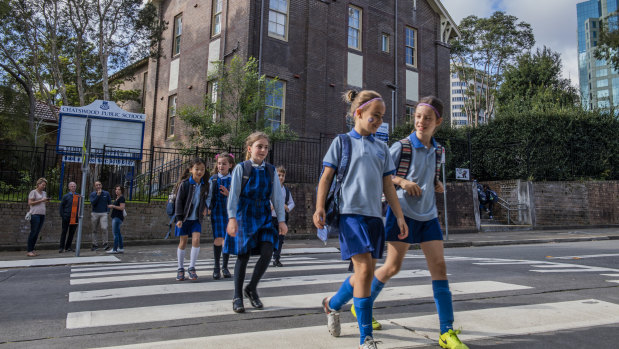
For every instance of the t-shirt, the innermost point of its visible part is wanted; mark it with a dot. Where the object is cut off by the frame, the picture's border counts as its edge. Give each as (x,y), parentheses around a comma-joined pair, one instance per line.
(40,207)
(118,213)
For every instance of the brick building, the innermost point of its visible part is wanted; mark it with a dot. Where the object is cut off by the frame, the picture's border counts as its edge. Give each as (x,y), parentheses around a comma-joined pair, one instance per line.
(316,48)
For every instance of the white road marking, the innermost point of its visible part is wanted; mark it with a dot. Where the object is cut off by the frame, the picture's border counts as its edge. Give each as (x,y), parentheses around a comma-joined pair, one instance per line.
(56,261)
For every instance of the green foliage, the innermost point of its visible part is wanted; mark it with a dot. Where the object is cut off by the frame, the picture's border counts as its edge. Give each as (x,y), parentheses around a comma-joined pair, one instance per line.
(126,95)
(534,84)
(13,116)
(608,42)
(237,109)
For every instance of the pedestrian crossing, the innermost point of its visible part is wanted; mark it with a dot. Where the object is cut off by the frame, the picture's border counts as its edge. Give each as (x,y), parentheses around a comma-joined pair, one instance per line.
(100,298)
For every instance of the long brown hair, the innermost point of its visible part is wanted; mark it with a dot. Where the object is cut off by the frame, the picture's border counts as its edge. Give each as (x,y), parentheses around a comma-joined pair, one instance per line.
(229,157)
(253,138)
(357,98)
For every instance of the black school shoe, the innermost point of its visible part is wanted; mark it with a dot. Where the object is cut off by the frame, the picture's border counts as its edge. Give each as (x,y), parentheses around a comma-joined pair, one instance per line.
(216,274)
(253,298)
(226,273)
(237,305)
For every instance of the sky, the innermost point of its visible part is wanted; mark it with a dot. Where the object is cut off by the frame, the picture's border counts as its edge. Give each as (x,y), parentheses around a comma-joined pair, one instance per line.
(553,23)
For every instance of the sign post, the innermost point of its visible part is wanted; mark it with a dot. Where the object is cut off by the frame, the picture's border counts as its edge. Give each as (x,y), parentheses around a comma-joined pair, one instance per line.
(445,195)
(85,168)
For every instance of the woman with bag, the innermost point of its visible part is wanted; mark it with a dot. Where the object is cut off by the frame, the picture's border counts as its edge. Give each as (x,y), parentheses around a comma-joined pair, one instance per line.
(118,215)
(37,200)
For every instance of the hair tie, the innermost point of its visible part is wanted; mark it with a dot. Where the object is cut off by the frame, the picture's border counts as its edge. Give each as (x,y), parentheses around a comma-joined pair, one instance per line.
(216,156)
(438,115)
(368,102)
(231,155)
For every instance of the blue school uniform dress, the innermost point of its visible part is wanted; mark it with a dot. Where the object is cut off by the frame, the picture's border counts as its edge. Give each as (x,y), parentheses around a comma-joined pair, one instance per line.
(420,212)
(361,225)
(252,209)
(219,213)
(192,222)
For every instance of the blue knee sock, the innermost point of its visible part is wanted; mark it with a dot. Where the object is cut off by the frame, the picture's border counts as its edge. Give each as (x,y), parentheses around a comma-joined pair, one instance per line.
(377,286)
(343,295)
(363,306)
(444,306)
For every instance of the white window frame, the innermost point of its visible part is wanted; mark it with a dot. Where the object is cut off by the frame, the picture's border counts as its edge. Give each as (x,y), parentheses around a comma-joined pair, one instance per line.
(409,113)
(385,42)
(408,47)
(212,89)
(282,108)
(358,30)
(171,119)
(275,13)
(216,17)
(176,34)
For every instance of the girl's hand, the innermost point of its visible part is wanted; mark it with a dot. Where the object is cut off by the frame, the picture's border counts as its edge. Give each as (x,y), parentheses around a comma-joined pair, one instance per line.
(286,208)
(232,227)
(179,224)
(110,206)
(209,212)
(403,228)
(204,213)
(411,188)
(319,218)
(223,190)
(283,228)
(438,187)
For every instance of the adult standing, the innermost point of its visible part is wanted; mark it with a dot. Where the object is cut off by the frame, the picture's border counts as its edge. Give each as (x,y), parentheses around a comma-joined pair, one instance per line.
(69,207)
(118,215)
(99,199)
(37,200)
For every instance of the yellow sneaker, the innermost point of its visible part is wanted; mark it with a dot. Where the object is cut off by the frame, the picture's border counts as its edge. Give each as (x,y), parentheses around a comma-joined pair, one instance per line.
(450,340)
(375,324)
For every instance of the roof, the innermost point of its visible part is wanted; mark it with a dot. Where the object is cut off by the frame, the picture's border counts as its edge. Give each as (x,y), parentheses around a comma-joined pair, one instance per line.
(449,29)
(41,112)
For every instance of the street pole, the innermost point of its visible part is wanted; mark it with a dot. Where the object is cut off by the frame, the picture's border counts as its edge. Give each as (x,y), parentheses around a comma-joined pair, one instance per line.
(85,168)
(445,195)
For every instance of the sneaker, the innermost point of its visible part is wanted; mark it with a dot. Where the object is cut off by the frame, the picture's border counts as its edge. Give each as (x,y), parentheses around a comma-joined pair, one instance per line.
(226,273)
(192,274)
(94,247)
(106,246)
(61,250)
(375,324)
(180,275)
(450,340)
(369,343)
(111,251)
(121,250)
(333,318)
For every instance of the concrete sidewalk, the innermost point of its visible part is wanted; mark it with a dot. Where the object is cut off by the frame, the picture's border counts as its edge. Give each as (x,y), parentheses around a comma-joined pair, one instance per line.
(145,253)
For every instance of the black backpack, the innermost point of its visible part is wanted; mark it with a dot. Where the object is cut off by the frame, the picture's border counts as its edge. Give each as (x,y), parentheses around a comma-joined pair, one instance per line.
(332,204)
(247,171)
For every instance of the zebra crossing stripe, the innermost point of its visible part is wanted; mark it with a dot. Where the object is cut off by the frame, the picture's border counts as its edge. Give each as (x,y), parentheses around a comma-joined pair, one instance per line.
(112,317)
(221,285)
(57,261)
(418,331)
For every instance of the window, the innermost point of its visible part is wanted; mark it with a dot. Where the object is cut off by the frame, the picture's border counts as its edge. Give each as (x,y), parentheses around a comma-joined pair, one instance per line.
(601,83)
(171,115)
(278,19)
(385,43)
(603,94)
(274,104)
(178,29)
(216,20)
(593,24)
(601,73)
(212,89)
(595,34)
(144,87)
(409,48)
(410,113)
(354,27)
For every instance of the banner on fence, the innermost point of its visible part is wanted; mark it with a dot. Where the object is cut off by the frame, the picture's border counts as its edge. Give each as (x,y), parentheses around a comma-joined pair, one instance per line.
(99,161)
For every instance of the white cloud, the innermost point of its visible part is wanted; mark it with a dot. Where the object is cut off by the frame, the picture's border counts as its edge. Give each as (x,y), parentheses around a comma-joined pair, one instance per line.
(553,23)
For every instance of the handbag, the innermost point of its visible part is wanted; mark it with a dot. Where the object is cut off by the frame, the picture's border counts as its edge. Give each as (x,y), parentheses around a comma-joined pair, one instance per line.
(28,216)
(124,213)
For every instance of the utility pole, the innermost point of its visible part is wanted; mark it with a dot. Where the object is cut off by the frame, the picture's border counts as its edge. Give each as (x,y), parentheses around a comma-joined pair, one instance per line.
(85,169)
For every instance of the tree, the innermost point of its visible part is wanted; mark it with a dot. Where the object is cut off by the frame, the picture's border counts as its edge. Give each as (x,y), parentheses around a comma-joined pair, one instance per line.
(234,107)
(608,42)
(486,46)
(534,83)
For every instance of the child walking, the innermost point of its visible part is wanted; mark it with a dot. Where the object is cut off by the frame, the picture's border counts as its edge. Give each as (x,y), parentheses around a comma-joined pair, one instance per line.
(416,194)
(254,186)
(361,227)
(217,202)
(189,208)
(288,206)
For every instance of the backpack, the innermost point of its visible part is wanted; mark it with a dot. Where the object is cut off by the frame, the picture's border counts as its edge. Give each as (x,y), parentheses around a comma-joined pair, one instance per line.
(170,208)
(214,191)
(332,203)
(406,156)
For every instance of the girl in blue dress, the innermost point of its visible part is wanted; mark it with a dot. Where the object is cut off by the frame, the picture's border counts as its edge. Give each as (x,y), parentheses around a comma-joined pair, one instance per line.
(362,234)
(216,202)
(254,186)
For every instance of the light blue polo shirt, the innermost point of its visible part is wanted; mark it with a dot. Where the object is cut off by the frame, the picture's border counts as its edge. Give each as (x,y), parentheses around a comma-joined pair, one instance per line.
(422,172)
(362,188)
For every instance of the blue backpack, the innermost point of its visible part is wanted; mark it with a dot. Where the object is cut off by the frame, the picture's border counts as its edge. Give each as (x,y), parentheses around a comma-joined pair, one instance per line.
(332,203)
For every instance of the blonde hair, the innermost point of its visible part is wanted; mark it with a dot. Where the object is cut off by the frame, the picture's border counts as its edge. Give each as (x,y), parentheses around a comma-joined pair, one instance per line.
(253,138)
(228,157)
(357,98)
(41,180)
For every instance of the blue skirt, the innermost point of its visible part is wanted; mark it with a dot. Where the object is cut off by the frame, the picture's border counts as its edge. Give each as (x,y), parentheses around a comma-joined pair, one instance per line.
(361,234)
(418,231)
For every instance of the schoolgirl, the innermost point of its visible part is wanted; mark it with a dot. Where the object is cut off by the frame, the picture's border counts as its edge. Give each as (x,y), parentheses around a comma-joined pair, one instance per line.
(416,194)
(190,207)
(254,185)
(216,202)
(361,227)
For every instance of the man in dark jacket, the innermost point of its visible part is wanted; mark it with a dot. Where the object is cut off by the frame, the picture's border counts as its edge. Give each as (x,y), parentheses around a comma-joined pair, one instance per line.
(69,213)
(99,199)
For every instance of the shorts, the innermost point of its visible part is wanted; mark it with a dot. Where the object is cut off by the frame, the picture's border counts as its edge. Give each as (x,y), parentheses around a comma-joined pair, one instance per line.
(418,231)
(361,234)
(189,227)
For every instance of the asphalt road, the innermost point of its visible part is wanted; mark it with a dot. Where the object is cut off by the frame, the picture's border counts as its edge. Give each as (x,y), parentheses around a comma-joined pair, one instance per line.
(535,296)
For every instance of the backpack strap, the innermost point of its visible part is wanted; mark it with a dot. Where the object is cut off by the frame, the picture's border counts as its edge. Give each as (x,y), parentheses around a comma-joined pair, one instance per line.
(287,195)
(406,156)
(214,191)
(440,151)
(345,155)
(247,170)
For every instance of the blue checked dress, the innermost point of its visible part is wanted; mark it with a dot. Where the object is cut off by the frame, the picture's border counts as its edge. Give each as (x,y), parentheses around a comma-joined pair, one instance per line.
(253,216)
(219,214)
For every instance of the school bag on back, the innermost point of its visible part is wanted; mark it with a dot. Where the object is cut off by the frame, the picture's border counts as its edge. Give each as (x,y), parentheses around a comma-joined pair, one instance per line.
(332,203)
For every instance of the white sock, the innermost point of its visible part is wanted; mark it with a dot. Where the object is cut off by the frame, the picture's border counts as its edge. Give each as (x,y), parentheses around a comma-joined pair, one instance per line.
(181,258)
(194,256)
